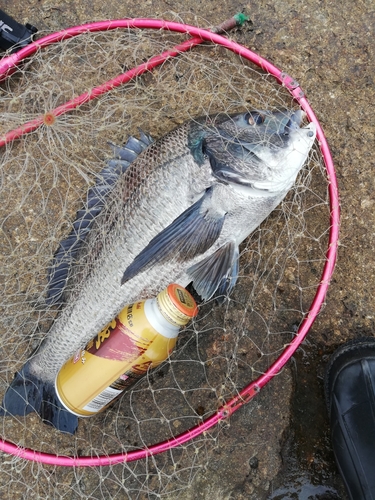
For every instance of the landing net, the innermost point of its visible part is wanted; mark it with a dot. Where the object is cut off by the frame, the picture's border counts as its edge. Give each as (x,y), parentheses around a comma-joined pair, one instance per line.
(225,357)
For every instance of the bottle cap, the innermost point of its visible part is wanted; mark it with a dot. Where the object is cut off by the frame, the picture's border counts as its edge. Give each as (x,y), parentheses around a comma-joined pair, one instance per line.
(176,305)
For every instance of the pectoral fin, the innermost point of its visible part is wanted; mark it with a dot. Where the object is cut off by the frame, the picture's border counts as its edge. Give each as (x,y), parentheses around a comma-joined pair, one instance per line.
(191,234)
(216,274)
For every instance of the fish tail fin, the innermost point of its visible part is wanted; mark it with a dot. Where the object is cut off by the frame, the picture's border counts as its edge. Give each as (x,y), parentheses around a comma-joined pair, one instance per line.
(28,393)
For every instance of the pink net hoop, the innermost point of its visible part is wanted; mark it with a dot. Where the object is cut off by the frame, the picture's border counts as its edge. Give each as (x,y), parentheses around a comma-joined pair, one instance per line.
(8,66)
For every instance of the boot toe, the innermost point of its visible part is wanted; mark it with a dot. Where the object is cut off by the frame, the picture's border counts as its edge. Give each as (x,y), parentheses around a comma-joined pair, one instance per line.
(350,395)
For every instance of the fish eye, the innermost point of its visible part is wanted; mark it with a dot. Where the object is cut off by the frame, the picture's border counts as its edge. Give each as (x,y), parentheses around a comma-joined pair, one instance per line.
(254,118)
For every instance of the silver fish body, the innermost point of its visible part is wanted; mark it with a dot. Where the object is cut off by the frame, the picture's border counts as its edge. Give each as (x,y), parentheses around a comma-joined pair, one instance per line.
(176,213)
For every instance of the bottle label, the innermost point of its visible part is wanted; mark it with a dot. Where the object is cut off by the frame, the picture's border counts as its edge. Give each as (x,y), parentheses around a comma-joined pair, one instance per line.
(112,362)
(102,400)
(119,340)
(124,381)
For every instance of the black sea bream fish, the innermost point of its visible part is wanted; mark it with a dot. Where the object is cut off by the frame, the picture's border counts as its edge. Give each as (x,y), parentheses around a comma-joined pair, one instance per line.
(174,210)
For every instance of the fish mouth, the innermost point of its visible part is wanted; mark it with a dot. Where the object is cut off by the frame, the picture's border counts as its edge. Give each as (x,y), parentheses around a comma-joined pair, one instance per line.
(295,121)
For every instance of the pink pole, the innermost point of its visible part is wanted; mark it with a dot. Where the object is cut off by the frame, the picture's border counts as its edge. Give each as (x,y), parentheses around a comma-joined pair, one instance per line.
(8,66)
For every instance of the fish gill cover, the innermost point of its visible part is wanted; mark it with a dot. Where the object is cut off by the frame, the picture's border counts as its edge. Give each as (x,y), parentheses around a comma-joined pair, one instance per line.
(44,180)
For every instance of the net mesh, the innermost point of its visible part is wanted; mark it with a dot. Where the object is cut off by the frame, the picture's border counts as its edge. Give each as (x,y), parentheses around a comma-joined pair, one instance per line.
(44,180)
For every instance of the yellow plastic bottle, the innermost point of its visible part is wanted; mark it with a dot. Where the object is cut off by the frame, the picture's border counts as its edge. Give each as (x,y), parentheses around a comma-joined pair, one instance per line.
(140,337)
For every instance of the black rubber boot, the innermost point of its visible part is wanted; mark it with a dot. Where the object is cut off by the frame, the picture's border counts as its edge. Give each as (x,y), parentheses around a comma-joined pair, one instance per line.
(350,395)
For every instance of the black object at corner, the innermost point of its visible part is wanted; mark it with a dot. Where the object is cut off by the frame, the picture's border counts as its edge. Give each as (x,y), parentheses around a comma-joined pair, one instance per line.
(350,396)
(14,34)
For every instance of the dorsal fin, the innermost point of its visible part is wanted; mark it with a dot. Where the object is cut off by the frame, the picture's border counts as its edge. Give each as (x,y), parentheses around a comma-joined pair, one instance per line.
(95,200)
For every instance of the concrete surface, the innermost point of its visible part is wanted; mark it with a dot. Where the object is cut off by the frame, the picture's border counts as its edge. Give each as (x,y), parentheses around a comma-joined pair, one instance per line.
(329,48)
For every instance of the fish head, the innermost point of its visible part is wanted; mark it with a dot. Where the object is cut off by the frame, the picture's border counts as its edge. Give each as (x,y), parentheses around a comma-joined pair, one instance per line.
(259,151)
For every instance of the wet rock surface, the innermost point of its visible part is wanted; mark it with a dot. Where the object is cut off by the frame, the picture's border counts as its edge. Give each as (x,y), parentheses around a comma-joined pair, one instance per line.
(282,450)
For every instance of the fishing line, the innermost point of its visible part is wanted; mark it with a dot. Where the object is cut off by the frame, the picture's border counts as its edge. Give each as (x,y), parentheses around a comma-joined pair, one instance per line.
(10,65)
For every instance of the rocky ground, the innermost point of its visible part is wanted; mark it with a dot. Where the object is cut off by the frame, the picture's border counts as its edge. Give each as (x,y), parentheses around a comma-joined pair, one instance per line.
(329,48)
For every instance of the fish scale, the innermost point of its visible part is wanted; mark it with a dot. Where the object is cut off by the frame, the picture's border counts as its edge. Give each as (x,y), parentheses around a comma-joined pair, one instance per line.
(98,296)
(174,210)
